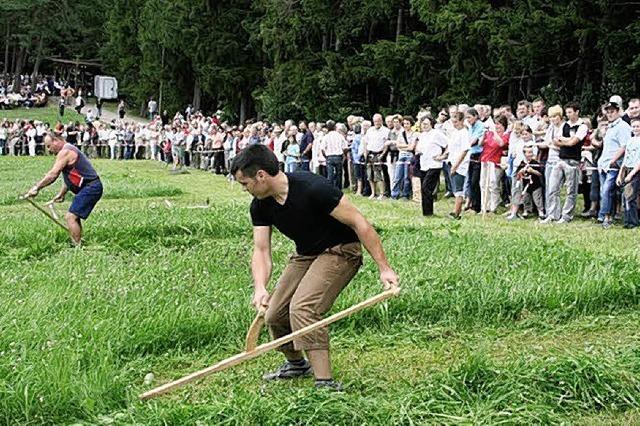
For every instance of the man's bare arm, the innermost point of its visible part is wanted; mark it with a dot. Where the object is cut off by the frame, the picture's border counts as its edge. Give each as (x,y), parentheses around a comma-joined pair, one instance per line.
(348,214)
(261,265)
(63,158)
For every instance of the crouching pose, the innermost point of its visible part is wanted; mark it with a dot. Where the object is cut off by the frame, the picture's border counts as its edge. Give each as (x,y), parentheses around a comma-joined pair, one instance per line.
(328,231)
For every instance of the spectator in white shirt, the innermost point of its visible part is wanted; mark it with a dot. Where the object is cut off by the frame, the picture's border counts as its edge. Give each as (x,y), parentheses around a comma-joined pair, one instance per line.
(431,146)
(31,139)
(458,156)
(374,141)
(334,146)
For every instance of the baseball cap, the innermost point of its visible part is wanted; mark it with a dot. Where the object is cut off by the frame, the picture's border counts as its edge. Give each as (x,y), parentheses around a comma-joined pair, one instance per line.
(616,100)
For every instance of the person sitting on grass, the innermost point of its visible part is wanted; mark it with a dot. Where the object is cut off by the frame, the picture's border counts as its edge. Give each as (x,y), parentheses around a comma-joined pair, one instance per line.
(528,180)
(628,176)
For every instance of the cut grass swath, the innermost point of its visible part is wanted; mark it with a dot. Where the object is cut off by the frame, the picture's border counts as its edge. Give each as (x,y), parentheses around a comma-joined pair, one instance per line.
(245,356)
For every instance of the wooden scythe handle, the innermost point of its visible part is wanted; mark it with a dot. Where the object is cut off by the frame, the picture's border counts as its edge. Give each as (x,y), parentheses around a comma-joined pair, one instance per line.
(254,331)
(46,213)
(266,347)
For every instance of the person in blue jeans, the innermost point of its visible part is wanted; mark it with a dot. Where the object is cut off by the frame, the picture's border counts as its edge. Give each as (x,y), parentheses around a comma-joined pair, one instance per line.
(406,144)
(628,177)
(613,147)
(334,146)
(292,155)
(357,151)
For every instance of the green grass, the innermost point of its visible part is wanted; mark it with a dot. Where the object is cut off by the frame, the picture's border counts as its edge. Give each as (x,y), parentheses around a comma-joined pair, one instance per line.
(48,114)
(497,323)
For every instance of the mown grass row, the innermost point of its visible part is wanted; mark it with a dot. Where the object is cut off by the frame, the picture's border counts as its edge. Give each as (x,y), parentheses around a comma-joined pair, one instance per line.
(167,289)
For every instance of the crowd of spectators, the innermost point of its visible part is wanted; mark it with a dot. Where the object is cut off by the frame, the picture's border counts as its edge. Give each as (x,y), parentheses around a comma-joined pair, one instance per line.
(486,158)
(32,92)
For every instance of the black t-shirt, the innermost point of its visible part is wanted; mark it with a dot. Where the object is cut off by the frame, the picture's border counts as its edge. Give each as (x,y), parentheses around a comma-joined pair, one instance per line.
(72,135)
(305,216)
(530,181)
(626,118)
(570,152)
(307,138)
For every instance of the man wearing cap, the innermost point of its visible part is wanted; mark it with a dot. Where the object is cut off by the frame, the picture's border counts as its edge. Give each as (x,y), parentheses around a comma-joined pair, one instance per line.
(615,139)
(79,177)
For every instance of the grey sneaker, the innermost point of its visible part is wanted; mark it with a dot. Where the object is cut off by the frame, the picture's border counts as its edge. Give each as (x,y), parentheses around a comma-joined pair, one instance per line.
(290,370)
(330,385)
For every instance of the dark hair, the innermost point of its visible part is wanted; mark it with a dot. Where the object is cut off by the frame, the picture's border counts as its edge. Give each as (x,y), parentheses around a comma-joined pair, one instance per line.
(409,119)
(634,119)
(573,105)
(459,115)
(254,158)
(357,129)
(503,120)
(331,125)
(430,119)
(472,111)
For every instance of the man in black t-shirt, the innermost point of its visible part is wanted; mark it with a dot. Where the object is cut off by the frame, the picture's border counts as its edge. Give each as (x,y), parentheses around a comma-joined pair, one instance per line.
(567,169)
(327,230)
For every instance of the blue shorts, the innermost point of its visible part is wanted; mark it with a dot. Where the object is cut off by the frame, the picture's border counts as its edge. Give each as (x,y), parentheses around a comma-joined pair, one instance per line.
(86,199)
(458,185)
(358,171)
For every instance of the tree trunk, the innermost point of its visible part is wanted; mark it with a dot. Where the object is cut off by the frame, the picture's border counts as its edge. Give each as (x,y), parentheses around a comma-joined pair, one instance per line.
(367,95)
(13,58)
(605,69)
(243,108)
(161,81)
(324,41)
(371,29)
(6,50)
(197,96)
(399,22)
(36,66)
(337,43)
(22,55)
(398,34)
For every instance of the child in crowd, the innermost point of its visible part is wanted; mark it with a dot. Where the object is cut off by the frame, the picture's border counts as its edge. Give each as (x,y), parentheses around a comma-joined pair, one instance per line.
(528,180)
(628,176)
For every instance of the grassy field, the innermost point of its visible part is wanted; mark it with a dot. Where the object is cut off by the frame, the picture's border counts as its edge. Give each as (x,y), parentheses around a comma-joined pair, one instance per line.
(47,114)
(497,323)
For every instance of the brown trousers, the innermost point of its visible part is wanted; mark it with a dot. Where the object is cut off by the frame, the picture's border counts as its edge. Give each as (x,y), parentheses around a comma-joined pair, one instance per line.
(306,291)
